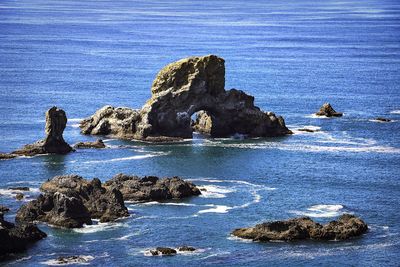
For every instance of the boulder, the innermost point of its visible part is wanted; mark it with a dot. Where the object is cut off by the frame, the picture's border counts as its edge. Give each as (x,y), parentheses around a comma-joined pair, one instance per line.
(345,227)
(70,201)
(56,120)
(16,238)
(328,111)
(162,251)
(180,90)
(151,188)
(96,144)
(19,196)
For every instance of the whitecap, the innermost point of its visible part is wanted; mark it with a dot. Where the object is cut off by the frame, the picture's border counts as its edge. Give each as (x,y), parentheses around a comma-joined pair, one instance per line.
(99,227)
(321,211)
(397,111)
(235,238)
(214,191)
(75,120)
(74,125)
(167,203)
(216,209)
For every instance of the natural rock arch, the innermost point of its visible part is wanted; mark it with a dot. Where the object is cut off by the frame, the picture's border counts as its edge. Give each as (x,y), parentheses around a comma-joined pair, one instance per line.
(181,89)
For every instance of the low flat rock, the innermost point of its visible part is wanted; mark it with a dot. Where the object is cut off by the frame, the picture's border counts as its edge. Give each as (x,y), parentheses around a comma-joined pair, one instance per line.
(4,156)
(152,188)
(96,144)
(347,226)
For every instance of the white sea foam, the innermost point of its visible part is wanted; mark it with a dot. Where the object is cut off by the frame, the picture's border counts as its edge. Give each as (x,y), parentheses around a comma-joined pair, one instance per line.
(216,209)
(379,121)
(235,238)
(83,260)
(397,111)
(75,120)
(99,227)
(13,192)
(321,211)
(167,203)
(214,191)
(74,125)
(136,157)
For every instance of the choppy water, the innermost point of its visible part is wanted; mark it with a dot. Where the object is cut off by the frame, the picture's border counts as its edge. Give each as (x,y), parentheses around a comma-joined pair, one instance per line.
(292,56)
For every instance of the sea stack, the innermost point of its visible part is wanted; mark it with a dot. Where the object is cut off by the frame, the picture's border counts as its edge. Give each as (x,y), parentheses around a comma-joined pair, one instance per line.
(56,121)
(181,89)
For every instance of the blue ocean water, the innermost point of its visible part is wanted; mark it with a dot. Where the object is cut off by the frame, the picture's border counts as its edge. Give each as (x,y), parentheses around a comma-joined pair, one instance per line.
(291,55)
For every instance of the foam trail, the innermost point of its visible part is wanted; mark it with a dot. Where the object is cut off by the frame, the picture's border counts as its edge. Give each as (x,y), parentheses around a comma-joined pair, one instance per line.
(321,211)
(89,229)
(216,209)
(136,157)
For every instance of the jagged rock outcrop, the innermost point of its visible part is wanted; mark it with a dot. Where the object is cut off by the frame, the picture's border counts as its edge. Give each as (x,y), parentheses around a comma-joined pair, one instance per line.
(56,120)
(151,188)
(328,111)
(96,144)
(181,89)
(345,227)
(71,201)
(16,238)
(163,251)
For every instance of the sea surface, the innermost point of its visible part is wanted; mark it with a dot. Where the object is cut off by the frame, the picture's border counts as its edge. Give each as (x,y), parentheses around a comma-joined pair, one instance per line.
(291,55)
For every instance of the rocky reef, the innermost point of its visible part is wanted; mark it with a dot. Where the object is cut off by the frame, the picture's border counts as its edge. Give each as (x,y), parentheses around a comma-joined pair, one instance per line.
(70,201)
(151,188)
(328,111)
(56,120)
(347,226)
(180,90)
(16,238)
(96,144)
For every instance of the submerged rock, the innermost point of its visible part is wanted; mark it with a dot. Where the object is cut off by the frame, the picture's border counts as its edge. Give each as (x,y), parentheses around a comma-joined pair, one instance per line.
(151,188)
(345,227)
(56,120)
(67,260)
(180,90)
(162,251)
(70,201)
(307,130)
(186,248)
(380,119)
(328,111)
(16,238)
(96,144)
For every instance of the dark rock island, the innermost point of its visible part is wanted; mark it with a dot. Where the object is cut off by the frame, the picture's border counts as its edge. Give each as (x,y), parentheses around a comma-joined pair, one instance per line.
(345,227)
(328,111)
(70,201)
(16,238)
(180,90)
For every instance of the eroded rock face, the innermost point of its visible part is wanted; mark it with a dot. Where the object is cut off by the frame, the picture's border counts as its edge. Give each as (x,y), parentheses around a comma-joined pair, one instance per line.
(16,238)
(345,227)
(151,188)
(328,111)
(56,120)
(181,89)
(71,201)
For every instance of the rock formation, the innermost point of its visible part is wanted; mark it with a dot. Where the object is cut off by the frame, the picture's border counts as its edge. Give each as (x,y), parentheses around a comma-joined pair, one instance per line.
(7,156)
(161,251)
(56,120)
(151,188)
(328,111)
(180,90)
(96,144)
(345,227)
(16,238)
(71,201)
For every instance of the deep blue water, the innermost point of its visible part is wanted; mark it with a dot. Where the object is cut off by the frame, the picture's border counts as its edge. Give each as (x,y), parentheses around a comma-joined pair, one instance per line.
(291,55)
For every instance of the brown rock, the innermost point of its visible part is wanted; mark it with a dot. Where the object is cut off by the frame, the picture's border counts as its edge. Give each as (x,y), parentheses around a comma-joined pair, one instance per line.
(328,111)
(96,144)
